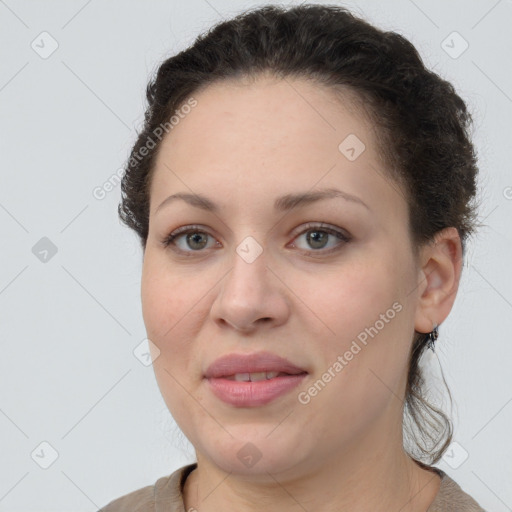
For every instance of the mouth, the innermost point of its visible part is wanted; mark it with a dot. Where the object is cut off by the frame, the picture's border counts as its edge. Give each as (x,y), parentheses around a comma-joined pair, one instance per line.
(252,380)
(257,376)
(253,393)
(255,366)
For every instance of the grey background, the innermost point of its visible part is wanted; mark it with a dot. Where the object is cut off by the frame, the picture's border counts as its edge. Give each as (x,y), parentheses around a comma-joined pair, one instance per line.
(69,324)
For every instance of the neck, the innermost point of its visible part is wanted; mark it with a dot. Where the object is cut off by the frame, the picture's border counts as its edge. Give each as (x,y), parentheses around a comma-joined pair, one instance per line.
(380,481)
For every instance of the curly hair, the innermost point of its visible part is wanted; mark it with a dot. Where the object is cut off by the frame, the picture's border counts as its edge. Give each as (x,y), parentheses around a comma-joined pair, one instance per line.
(423,129)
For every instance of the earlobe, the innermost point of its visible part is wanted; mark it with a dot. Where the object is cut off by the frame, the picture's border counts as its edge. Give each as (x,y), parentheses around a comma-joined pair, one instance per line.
(439,279)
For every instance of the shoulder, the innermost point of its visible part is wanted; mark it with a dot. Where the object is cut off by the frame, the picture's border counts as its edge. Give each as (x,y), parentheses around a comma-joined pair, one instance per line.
(166,489)
(452,497)
(141,500)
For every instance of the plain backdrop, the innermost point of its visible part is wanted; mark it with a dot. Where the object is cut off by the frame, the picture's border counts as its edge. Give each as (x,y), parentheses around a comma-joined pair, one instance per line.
(81,418)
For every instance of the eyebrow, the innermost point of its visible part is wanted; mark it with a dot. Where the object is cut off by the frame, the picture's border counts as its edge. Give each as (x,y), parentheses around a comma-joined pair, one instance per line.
(283,203)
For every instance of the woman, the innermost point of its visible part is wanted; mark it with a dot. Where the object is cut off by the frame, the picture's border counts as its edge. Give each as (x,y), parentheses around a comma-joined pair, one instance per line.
(303,190)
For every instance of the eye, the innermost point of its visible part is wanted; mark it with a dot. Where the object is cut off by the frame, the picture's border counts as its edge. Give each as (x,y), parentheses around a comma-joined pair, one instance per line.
(317,237)
(188,239)
(322,239)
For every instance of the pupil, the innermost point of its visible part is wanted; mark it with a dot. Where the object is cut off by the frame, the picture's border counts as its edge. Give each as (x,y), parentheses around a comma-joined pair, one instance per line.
(193,238)
(319,235)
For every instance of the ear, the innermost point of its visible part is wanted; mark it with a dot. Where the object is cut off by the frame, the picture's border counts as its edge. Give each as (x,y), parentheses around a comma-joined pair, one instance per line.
(438,279)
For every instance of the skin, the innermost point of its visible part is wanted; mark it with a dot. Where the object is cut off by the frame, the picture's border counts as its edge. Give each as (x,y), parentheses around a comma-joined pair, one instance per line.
(243,145)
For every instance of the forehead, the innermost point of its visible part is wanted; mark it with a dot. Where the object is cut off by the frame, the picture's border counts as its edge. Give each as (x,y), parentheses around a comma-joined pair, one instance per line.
(255,138)
(267,113)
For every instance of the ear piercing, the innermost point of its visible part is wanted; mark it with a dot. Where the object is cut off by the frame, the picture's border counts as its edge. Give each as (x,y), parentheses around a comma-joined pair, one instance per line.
(432,337)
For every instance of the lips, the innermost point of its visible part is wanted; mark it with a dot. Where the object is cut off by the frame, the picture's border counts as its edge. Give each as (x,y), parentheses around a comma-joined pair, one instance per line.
(258,366)
(252,380)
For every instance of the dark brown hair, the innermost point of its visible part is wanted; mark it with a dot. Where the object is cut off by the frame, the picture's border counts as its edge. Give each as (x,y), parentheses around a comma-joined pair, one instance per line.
(422,126)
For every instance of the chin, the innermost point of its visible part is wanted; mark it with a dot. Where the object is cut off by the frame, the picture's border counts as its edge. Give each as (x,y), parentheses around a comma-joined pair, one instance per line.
(255,454)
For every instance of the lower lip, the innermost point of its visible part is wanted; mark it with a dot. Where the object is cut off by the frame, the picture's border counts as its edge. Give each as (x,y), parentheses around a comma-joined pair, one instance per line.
(253,394)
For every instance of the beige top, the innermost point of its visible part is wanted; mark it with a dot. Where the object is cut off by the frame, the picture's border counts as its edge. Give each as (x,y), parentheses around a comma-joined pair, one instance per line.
(166,496)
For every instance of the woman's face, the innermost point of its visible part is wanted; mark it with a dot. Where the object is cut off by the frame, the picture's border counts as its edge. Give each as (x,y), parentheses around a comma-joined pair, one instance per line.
(259,274)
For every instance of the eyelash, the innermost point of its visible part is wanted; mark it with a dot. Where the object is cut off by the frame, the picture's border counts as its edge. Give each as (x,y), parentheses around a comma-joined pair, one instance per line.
(170,239)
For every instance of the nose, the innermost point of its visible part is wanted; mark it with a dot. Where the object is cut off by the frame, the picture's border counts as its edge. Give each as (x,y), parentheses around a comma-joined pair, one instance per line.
(251,296)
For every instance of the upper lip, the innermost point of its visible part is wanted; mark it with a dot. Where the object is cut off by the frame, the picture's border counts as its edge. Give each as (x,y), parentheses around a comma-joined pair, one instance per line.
(231,364)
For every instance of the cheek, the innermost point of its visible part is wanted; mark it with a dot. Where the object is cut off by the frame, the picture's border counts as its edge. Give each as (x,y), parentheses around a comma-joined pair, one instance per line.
(350,297)
(360,313)
(173,312)
(167,318)
(165,299)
